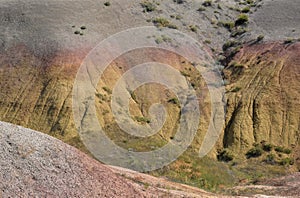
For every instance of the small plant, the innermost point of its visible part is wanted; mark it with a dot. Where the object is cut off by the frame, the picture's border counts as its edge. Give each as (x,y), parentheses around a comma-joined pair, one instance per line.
(287,161)
(254,152)
(201,9)
(242,19)
(281,149)
(270,159)
(225,155)
(245,9)
(148,6)
(178,17)
(238,31)
(174,101)
(207,3)
(83,27)
(163,38)
(193,28)
(260,38)
(267,147)
(229,44)
(162,22)
(142,119)
(236,89)
(288,41)
(108,90)
(77,32)
(227,24)
(179,1)
(207,41)
(250,1)
(107,3)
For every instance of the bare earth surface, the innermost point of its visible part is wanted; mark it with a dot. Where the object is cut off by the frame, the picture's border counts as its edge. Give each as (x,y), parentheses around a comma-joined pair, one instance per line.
(36,165)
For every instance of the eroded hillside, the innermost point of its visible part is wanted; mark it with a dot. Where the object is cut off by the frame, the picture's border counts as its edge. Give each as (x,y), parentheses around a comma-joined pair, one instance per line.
(43,45)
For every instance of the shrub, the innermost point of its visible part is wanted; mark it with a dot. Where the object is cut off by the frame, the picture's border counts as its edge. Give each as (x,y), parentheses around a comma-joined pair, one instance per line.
(83,27)
(238,31)
(279,149)
(260,38)
(286,161)
(245,9)
(162,22)
(179,1)
(201,9)
(227,24)
(267,147)
(148,6)
(108,90)
(225,155)
(174,101)
(178,17)
(193,28)
(250,1)
(107,3)
(142,119)
(236,89)
(288,41)
(207,3)
(229,44)
(77,32)
(270,159)
(242,19)
(254,152)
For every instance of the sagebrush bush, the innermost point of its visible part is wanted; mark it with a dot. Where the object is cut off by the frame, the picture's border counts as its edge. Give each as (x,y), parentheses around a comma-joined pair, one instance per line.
(148,6)
(225,155)
(242,19)
(254,152)
(207,3)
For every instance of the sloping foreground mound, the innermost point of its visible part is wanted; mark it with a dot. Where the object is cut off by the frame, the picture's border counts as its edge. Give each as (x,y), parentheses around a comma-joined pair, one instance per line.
(287,186)
(34,164)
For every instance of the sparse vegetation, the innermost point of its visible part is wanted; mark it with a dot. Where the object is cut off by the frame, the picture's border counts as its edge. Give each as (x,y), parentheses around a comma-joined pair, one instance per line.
(260,38)
(179,1)
(267,147)
(227,24)
(193,28)
(286,161)
(238,31)
(201,9)
(281,149)
(142,119)
(270,159)
(174,101)
(207,3)
(162,22)
(229,44)
(254,152)
(242,19)
(236,89)
(225,155)
(108,90)
(245,9)
(107,3)
(289,40)
(148,6)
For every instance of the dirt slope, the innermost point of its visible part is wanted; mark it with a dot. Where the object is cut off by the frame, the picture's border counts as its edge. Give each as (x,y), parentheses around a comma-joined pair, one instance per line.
(40,54)
(263,96)
(34,164)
